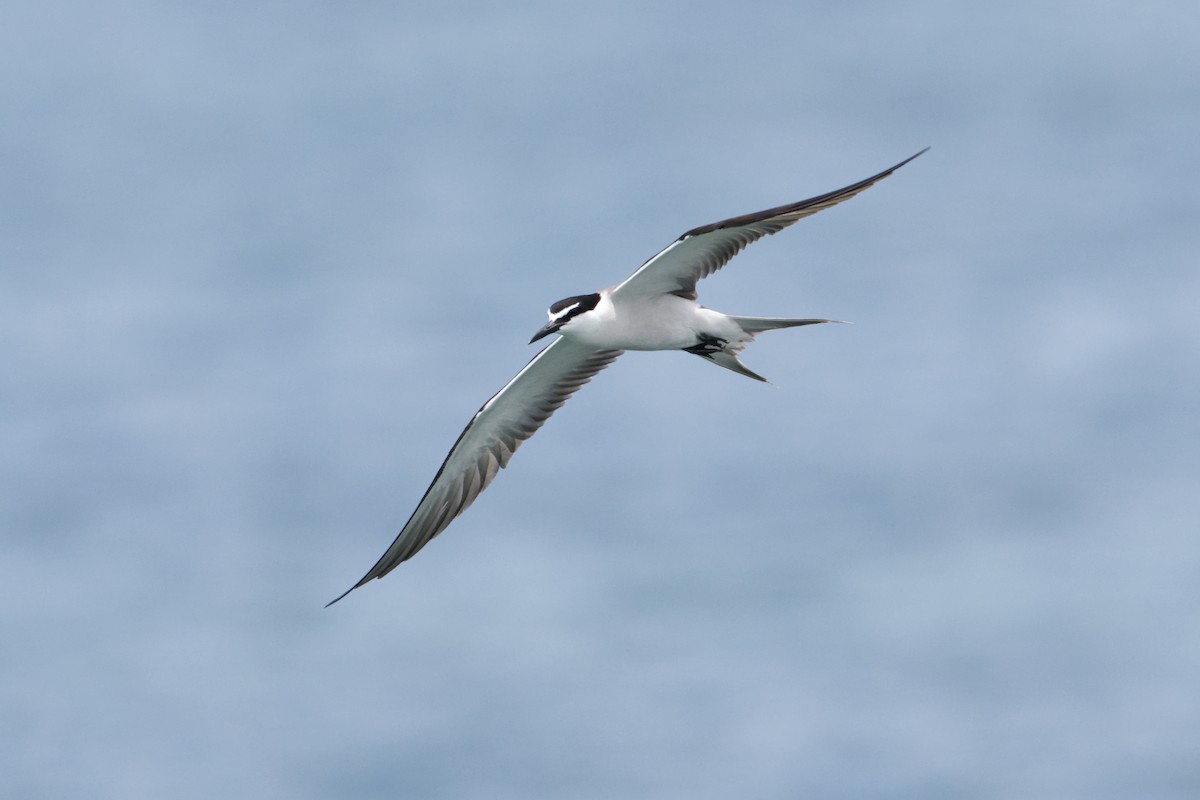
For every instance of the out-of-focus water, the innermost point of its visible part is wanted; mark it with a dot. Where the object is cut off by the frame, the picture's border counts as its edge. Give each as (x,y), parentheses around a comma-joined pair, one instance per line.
(260,264)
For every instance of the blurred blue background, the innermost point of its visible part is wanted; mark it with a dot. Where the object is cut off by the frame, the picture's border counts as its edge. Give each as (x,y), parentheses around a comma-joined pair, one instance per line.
(260,262)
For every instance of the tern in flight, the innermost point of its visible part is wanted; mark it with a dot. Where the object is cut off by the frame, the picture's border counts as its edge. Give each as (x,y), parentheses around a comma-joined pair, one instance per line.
(654,309)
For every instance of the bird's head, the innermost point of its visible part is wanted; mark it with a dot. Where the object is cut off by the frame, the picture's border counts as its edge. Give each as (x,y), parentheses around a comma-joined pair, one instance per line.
(565,310)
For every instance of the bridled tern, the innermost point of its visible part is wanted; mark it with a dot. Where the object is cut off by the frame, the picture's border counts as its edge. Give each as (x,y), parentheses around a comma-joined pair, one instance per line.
(654,309)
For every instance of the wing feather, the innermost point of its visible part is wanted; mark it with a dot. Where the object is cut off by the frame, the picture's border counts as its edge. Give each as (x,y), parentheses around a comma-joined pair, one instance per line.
(702,251)
(485,446)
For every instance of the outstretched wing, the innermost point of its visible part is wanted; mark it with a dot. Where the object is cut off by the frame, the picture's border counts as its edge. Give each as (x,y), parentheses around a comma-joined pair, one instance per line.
(487,443)
(702,251)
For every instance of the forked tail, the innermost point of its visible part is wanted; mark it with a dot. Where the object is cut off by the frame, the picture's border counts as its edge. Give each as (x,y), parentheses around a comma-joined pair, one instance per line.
(728,357)
(756,325)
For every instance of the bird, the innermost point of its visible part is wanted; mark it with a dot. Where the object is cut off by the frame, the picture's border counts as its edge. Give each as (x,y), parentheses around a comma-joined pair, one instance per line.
(655,308)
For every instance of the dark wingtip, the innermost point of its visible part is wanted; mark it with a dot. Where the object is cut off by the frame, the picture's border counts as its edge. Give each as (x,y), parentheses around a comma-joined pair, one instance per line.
(915,155)
(340,596)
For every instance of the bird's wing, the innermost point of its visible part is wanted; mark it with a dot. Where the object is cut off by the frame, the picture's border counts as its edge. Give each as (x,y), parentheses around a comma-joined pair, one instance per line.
(484,447)
(702,251)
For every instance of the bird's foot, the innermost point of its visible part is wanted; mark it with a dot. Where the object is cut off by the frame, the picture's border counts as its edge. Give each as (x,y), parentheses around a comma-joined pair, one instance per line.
(707,345)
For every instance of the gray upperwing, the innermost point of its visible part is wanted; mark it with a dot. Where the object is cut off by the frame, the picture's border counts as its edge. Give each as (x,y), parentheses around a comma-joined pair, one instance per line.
(702,251)
(485,446)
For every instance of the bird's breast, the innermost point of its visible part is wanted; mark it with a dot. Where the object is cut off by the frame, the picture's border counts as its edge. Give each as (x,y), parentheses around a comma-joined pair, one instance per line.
(662,322)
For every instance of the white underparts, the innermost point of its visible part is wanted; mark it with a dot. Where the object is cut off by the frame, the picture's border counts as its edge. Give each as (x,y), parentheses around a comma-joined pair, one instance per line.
(655,322)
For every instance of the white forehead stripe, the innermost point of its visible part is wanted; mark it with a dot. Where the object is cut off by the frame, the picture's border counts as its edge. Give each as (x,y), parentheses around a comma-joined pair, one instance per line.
(563,312)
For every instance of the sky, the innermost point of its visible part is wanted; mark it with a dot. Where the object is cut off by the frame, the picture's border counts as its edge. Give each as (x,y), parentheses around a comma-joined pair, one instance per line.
(260,262)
